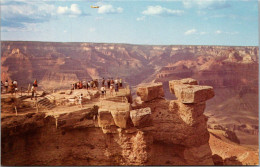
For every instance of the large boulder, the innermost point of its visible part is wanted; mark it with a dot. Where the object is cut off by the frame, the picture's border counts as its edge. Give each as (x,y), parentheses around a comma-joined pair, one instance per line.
(150,92)
(120,117)
(105,118)
(140,116)
(187,81)
(193,93)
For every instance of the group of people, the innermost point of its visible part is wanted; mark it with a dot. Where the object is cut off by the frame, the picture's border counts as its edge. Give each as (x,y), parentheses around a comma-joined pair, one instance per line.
(109,83)
(93,84)
(9,87)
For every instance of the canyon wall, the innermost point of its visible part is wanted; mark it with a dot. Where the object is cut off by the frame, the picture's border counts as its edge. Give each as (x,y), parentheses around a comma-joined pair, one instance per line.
(231,70)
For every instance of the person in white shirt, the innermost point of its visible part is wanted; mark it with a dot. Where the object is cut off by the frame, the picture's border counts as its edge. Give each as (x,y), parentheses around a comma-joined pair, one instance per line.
(103,91)
(6,86)
(80,100)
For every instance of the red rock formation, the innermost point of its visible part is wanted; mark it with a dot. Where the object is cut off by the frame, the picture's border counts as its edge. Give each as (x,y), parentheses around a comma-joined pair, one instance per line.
(156,132)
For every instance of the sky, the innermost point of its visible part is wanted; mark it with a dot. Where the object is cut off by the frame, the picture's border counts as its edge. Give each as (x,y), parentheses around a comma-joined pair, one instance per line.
(153,22)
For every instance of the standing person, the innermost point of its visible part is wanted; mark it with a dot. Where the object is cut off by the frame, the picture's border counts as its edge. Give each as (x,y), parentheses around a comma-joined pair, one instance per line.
(116,87)
(103,91)
(80,100)
(33,91)
(88,85)
(35,84)
(97,84)
(84,84)
(92,84)
(103,82)
(2,85)
(108,83)
(120,83)
(112,81)
(12,88)
(77,85)
(15,86)
(116,81)
(80,85)
(111,89)
(6,86)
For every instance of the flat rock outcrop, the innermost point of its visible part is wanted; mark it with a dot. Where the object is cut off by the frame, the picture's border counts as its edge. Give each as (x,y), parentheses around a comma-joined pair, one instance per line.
(193,93)
(150,92)
(188,81)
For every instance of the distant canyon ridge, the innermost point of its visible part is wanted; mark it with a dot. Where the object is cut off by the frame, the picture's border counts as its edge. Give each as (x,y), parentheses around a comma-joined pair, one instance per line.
(231,70)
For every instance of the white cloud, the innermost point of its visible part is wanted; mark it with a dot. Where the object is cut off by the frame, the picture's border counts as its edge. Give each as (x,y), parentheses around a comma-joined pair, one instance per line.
(73,10)
(29,27)
(226,32)
(92,29)
(206,4)
(142,18)
(190,32)
(109,9)
(203,33)
(158,10)
(195,31)
(218,32)
(62,10)
(18,14)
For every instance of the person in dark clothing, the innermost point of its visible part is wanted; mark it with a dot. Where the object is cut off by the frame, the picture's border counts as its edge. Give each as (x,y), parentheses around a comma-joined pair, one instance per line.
(103,82)
(2,86)
(35,84)
(116,87)
(108,83)
(120,83)
(97,84)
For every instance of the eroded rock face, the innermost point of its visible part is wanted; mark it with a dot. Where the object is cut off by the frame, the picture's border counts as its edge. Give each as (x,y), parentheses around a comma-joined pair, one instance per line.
(105,118)
(189,113)
(150,92)
(140,116)
(120,118)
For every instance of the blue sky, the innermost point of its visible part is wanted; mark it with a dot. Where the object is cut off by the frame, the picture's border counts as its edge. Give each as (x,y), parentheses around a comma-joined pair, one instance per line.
(156,22)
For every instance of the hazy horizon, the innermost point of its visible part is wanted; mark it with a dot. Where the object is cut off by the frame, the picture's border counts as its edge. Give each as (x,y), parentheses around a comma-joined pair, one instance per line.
(133,43)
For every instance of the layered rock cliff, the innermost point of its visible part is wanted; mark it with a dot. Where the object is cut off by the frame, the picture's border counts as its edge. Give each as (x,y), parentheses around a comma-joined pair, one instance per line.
(149,131)
(232,71)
